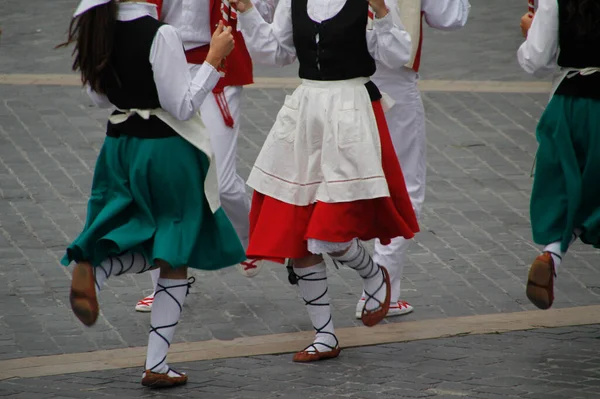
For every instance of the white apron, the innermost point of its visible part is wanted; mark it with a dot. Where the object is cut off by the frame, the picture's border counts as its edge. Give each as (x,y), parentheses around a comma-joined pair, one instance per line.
(193,131)
(324,146)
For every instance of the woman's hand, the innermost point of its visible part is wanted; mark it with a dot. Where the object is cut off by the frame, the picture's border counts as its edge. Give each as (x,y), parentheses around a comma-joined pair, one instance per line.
(241,5)
(526,21)
(221,45)
(379,8)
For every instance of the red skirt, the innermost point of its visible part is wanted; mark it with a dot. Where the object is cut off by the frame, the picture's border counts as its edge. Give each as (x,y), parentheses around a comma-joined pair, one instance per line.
(279,230)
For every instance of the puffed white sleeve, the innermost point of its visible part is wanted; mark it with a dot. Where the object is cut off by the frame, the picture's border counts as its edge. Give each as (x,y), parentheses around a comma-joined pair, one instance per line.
(179,93)
(100,100)
(389,43)
(266,9)
(269,44)
(446,14)
(539,53)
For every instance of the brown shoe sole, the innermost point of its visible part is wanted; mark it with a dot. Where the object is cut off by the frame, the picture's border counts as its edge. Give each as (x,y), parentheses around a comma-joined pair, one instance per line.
(540,282)
(156,380)
(83,295)
(305,356)
(371,318)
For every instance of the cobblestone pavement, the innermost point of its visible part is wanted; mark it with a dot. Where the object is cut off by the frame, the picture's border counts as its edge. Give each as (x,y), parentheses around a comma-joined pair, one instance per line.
(542,364)
(470,258)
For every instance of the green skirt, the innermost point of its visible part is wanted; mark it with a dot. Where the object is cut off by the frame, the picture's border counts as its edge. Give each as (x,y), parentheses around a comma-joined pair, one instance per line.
(148,197)
(566,187)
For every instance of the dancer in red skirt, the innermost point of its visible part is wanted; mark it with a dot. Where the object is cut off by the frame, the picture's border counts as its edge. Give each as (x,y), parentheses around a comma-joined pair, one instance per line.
(327,175)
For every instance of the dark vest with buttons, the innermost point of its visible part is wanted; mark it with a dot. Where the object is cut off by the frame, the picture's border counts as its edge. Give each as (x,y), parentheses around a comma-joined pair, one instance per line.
(131,83)
(578,52)
(341,51)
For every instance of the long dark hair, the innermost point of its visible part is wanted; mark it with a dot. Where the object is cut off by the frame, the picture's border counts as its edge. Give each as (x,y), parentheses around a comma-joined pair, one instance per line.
(584,17)
(93,34)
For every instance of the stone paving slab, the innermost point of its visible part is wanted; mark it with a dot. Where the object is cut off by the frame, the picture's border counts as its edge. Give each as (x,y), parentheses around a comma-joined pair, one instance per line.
(540,364)
(470,258)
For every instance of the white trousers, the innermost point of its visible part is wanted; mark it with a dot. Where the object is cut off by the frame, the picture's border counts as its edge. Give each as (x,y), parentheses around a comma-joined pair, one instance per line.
(406,121)
(232,188)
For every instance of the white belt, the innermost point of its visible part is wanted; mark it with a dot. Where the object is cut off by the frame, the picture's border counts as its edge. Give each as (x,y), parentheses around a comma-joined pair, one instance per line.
(194,132)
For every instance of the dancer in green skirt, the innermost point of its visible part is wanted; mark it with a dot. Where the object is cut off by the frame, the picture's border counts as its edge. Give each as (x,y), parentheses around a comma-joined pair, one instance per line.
(154,200)
(564,38)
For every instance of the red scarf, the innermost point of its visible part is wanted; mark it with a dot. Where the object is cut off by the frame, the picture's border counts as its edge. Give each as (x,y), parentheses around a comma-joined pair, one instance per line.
(237,67)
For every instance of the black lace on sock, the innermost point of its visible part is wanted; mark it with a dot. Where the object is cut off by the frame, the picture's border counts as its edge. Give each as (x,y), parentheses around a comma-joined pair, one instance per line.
(319,330)
(154,329)
(373,270)
(307,277)
(191,281)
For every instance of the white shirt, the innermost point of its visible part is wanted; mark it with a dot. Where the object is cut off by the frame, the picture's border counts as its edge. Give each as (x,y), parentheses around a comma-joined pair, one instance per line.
(439,14)
(539,53)
(273,44)
(192,19)
(179,93)
(446,14)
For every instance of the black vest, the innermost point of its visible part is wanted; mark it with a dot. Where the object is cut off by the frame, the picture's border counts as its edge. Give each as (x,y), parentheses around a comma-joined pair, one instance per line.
(578,52)
(341,52)
(131,83)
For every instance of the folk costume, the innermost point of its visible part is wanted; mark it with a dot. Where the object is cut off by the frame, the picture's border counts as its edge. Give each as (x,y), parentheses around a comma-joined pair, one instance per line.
(196,21)
(154,193)
(406,121)
(327,175)
(565,201)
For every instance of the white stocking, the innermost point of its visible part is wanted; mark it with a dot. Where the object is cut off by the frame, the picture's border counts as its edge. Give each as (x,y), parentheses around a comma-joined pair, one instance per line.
(312,282)
(357,258)
(166,310)
(117,265)
(554,249)
(154,275)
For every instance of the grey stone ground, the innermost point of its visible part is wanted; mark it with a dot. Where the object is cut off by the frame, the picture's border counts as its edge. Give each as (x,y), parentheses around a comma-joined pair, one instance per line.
(543,364)
(470,258)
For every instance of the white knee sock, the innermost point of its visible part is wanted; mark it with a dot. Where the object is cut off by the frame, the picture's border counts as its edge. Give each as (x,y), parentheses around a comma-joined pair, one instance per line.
(555,249)
(393,257)
(312,282)
(357,258)
(166,310)
(118,265)
(154,275)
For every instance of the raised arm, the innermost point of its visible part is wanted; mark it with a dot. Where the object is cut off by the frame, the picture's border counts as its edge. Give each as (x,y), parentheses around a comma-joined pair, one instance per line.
(539,53)
(179,93)
(446,14)
(270,44)
(388,42)
(266,8)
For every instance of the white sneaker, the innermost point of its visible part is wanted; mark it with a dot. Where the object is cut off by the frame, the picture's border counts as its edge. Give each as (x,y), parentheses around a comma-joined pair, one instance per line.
(145,305)
(396,309)
(250,268)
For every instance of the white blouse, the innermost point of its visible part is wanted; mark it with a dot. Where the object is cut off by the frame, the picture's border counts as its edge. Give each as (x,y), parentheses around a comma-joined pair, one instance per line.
(192,18)
(179,93)
(273,44)
(539,53)
(446,14)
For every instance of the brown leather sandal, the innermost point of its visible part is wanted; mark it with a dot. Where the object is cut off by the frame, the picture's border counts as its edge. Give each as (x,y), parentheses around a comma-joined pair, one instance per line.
(151,379)
(311,354)
(540,282)
(371,318)
(83,294)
